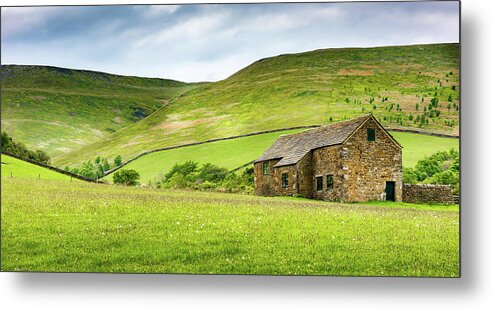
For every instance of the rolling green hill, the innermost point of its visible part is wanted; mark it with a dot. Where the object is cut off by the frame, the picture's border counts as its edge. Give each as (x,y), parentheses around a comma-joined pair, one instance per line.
(58,110)
(396,84)
(15,168)
(236,152)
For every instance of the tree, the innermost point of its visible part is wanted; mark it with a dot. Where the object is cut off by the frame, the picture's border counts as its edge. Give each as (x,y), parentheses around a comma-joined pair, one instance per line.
(5,141)
(447,177)
(42,157)
(117,160)
(105,164)
(88,170)
(185,169)
(212,173)
(434,101)
(126,177)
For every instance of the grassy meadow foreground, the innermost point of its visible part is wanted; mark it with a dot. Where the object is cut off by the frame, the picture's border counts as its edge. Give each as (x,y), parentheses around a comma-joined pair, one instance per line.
(60,226)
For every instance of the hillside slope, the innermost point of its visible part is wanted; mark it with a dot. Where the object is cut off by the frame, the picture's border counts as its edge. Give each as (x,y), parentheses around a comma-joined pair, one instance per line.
(58,110)
(396,83)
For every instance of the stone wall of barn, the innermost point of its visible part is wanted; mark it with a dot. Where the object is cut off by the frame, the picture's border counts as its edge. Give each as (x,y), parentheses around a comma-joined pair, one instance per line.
(427,193)
(305,176)
(271,185)
(367,165)
(326,161)
(264,184)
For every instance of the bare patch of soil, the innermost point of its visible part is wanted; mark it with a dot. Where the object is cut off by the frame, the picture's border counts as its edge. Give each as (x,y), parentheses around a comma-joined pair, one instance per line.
(352,72)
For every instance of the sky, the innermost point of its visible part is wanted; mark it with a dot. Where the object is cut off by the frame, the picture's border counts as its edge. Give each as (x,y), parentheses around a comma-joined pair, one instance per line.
(210,42)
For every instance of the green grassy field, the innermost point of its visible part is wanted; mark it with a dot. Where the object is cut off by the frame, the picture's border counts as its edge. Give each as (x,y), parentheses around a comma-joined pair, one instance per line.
(229,154)
(83,227)
(234,153)
(300,89)
(418,146)
(15,168)
(58,110)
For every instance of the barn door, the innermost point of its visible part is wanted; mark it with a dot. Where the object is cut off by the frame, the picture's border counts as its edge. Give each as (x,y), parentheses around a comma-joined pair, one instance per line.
(390,191)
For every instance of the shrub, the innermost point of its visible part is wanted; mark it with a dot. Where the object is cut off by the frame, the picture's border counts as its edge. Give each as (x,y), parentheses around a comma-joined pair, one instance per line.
(208,177)
(185,169)
(447,177)
(89,170)
(212,173)
(42,157)
(126,177)
(440,168)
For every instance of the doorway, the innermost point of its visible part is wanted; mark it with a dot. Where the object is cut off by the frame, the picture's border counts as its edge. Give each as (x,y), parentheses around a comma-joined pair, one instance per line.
(390,191)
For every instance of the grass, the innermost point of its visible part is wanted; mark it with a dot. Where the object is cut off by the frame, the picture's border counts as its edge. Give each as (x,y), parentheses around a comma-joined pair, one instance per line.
(234,153)
(80,227)
(15,168)
(58,110)
(229,154)
(418,146)
(300,89)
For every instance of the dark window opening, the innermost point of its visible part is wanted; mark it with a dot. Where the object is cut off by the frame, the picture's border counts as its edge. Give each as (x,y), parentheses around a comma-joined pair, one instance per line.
(285,180)
(319,183)
(329,182)
(266,168)
(371,135)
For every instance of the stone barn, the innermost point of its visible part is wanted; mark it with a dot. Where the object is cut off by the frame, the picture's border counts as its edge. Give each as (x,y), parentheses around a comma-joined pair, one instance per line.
(349,161)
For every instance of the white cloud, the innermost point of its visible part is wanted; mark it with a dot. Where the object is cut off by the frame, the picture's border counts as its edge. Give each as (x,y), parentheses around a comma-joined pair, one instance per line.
(195,27)
(153,11)
(17,20)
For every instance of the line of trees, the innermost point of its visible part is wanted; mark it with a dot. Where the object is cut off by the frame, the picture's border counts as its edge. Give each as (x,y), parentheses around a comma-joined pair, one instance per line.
(96,168)
(206,177)
(9,146)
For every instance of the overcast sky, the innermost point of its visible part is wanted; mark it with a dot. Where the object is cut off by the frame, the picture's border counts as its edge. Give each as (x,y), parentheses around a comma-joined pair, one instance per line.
(210,42)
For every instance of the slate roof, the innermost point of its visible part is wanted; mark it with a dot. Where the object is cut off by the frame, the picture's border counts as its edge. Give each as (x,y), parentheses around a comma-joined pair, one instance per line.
(293,147)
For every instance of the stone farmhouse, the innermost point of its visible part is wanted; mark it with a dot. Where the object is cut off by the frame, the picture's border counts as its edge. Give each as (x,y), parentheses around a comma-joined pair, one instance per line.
(349,161)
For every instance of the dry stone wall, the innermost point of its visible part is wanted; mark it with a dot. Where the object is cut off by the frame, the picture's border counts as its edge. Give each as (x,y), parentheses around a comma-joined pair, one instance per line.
(427,193)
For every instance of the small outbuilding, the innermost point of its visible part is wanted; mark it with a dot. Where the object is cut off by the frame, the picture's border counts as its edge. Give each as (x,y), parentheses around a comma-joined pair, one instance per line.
(349,161)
